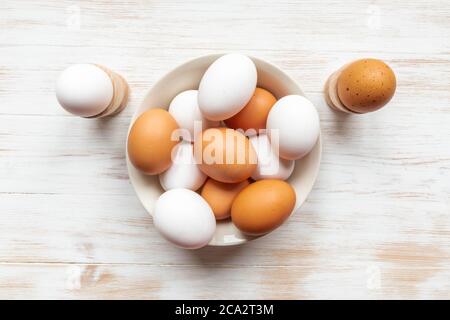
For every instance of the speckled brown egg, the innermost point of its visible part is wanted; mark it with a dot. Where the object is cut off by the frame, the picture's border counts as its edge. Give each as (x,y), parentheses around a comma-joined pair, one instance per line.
(366,85)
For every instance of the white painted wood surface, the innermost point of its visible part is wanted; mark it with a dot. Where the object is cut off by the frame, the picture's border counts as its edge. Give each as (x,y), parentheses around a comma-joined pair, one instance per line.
(376,225)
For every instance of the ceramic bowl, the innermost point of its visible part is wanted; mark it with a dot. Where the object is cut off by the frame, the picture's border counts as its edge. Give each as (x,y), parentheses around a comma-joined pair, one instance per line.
(187,76)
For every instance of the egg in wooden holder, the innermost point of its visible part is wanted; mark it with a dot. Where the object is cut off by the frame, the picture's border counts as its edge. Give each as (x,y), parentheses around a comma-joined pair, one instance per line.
(91,91)
(148,188)
(359,87)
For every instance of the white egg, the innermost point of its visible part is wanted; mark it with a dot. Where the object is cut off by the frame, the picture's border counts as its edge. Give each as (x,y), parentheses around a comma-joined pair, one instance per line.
(184,218)
(227,86)
(184,172)
(184,109)
(293,124)
(84,90)
(269,165)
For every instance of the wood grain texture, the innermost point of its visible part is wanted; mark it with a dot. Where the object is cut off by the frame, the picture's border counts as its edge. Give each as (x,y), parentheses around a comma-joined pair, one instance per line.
(376,225)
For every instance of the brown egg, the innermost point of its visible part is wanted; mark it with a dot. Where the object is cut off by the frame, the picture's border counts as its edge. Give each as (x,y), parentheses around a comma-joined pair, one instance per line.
(149,141)
(225,155)
(254,114)
(220,196)
(263,206)
(366,85)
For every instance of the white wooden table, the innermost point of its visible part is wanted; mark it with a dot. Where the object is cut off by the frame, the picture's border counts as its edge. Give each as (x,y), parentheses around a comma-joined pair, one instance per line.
(376,225)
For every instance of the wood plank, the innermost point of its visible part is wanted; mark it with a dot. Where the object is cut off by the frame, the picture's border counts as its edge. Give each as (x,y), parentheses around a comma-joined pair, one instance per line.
(93,281)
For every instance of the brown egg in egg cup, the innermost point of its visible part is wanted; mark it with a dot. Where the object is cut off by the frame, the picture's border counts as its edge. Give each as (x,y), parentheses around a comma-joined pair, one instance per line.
(362,86)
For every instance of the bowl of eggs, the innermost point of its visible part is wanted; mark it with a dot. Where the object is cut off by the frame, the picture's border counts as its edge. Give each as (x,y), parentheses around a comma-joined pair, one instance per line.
(222,150)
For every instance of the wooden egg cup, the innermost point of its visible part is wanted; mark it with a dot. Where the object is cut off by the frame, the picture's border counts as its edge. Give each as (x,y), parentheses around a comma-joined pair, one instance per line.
(120,94)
